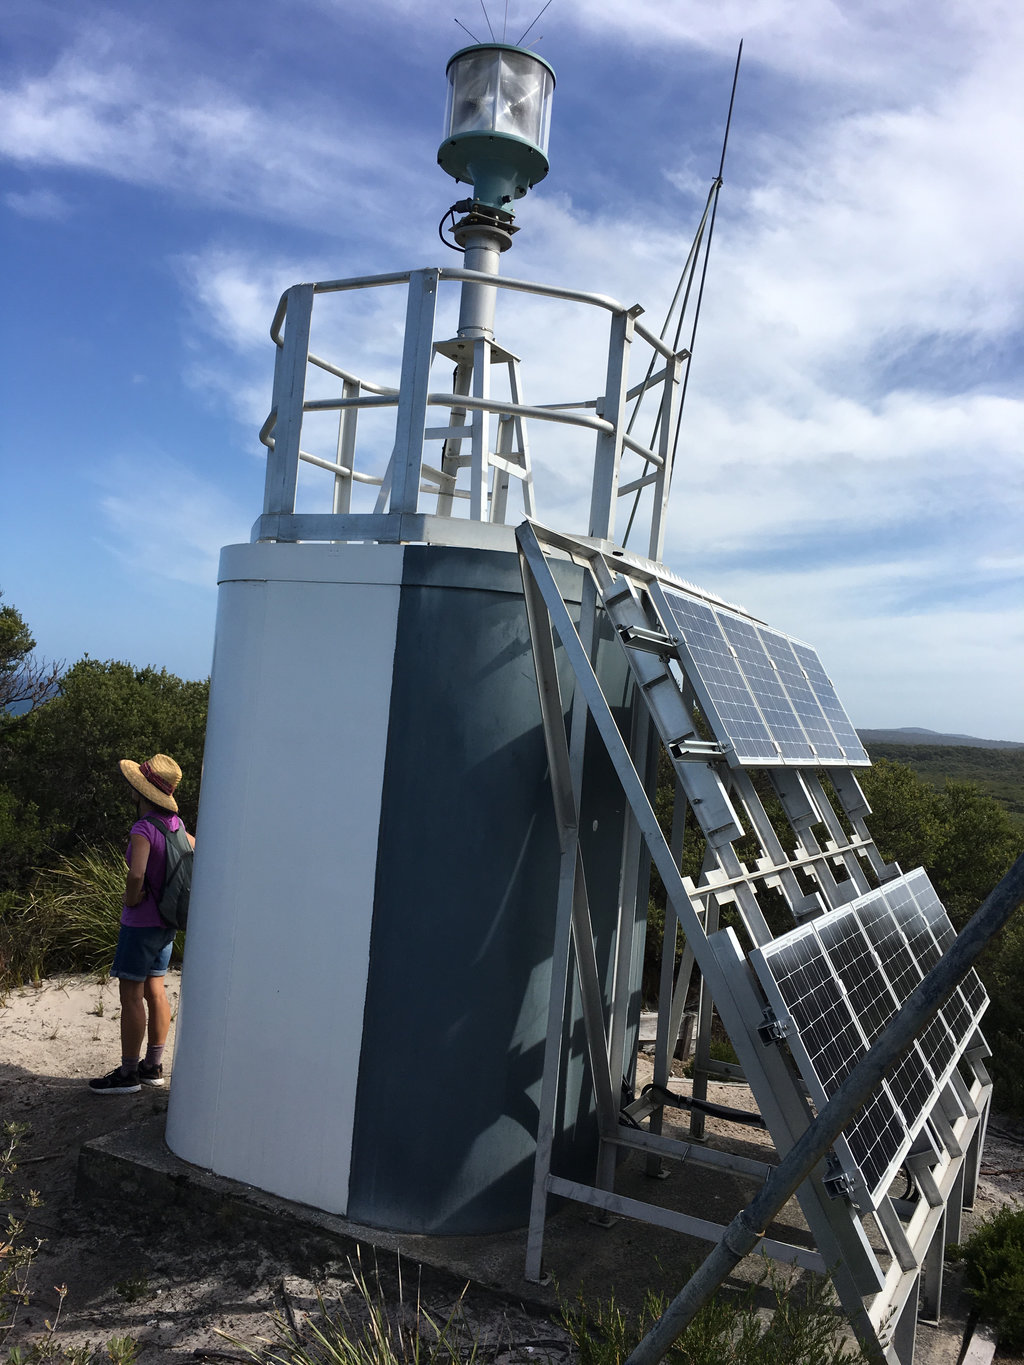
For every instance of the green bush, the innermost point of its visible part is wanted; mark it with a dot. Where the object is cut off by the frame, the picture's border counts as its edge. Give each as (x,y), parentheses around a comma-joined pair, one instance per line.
(62,788)
(801,1328)
(994,1260)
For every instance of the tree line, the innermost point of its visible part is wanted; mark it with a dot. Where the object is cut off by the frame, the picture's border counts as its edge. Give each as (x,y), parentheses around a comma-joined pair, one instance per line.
(62,733)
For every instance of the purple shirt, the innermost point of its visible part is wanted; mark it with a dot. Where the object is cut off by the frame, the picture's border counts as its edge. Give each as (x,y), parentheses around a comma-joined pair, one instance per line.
(145,915)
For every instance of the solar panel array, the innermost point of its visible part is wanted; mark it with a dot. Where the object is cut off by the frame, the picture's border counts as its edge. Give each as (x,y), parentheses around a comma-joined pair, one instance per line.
(840,979)
(766,696)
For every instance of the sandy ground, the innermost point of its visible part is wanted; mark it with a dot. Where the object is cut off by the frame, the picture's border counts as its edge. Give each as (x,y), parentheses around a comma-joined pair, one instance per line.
(177,1290)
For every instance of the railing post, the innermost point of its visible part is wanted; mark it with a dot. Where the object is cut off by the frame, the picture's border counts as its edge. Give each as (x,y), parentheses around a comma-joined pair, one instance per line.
(412,397)
(289,393)
(346,451)
(481,424)
(608,452)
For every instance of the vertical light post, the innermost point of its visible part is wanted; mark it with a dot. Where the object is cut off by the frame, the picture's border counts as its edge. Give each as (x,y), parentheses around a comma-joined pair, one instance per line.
(496,138)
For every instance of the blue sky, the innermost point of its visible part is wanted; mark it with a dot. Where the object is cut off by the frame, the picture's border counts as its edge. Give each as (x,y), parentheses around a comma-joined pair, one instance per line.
(850,465)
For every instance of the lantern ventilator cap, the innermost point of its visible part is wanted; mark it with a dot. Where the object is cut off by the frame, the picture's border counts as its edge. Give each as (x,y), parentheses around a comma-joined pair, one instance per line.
(497,122)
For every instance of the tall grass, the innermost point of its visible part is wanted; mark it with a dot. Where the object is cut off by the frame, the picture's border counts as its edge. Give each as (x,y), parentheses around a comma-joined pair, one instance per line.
(376,1329)
(18,1253)
(67,921)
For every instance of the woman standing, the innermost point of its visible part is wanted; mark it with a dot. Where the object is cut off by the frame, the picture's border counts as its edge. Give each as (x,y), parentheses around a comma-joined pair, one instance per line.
(144,942)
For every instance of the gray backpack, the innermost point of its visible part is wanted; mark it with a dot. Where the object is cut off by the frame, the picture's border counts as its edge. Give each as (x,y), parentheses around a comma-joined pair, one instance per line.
(173,899)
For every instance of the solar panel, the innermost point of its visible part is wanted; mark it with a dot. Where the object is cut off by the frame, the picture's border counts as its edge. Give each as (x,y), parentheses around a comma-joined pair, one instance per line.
(725,696)
(766,696)
(832,707)
(839,980)
(762,678)
(815,724)
(827,1043)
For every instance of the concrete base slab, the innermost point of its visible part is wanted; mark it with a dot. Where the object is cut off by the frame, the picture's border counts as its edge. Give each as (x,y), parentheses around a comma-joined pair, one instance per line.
(583,1255)
(621,1257)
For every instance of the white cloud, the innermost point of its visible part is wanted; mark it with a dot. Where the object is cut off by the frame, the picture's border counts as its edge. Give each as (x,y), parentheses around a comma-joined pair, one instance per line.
(283,159)
(180,536)
(839,43)
(39,203)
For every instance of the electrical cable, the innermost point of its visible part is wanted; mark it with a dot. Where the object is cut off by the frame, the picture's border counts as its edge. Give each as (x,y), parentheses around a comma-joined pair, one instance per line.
(911,1183)
(452,246)
(719,1111)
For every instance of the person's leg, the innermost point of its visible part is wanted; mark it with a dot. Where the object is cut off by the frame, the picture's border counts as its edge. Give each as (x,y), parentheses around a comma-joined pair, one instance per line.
(159,1011)
(151,1068)
(140,961)
(133,1019)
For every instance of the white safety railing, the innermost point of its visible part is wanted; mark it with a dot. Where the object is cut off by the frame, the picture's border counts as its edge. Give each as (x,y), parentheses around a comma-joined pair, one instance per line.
(417,497)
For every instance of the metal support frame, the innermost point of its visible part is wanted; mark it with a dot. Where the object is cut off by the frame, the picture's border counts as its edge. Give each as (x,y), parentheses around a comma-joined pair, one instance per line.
(491,465)
(879,1282)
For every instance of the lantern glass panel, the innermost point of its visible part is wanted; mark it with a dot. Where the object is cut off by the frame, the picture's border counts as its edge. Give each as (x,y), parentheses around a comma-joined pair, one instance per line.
(472,90)
(499,91)
(524,98)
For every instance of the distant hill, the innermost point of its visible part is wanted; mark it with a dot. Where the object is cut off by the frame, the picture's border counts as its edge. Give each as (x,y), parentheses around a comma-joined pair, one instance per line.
(996,768)
(913,734)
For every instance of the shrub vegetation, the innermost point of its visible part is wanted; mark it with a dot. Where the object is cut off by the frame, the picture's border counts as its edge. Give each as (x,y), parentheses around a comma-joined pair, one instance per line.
(994,1262)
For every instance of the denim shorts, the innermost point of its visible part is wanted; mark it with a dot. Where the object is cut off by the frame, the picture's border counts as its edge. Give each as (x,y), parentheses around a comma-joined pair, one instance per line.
(142,952)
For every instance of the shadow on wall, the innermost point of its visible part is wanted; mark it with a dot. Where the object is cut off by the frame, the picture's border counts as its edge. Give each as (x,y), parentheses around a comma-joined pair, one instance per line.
(464,908)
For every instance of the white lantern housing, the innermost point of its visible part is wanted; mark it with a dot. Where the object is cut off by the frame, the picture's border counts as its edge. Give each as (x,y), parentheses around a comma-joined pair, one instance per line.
(497,121)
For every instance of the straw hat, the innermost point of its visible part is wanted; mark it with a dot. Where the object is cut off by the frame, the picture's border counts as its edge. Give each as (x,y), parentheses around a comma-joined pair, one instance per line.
(156,779)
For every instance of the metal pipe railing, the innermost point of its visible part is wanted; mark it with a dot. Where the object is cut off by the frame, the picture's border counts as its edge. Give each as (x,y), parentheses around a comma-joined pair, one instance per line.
(614,439)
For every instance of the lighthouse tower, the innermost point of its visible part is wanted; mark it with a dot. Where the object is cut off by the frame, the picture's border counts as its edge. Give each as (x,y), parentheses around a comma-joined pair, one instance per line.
(368,969)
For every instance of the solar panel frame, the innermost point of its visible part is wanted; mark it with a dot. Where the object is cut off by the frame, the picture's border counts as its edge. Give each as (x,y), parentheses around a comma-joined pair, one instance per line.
(839,980)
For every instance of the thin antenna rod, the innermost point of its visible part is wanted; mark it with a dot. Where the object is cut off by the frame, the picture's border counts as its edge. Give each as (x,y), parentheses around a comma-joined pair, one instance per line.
(732,101)
(487,17)
(690,265)
(468,30)
(526,31)
(707,249)
(504,26)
